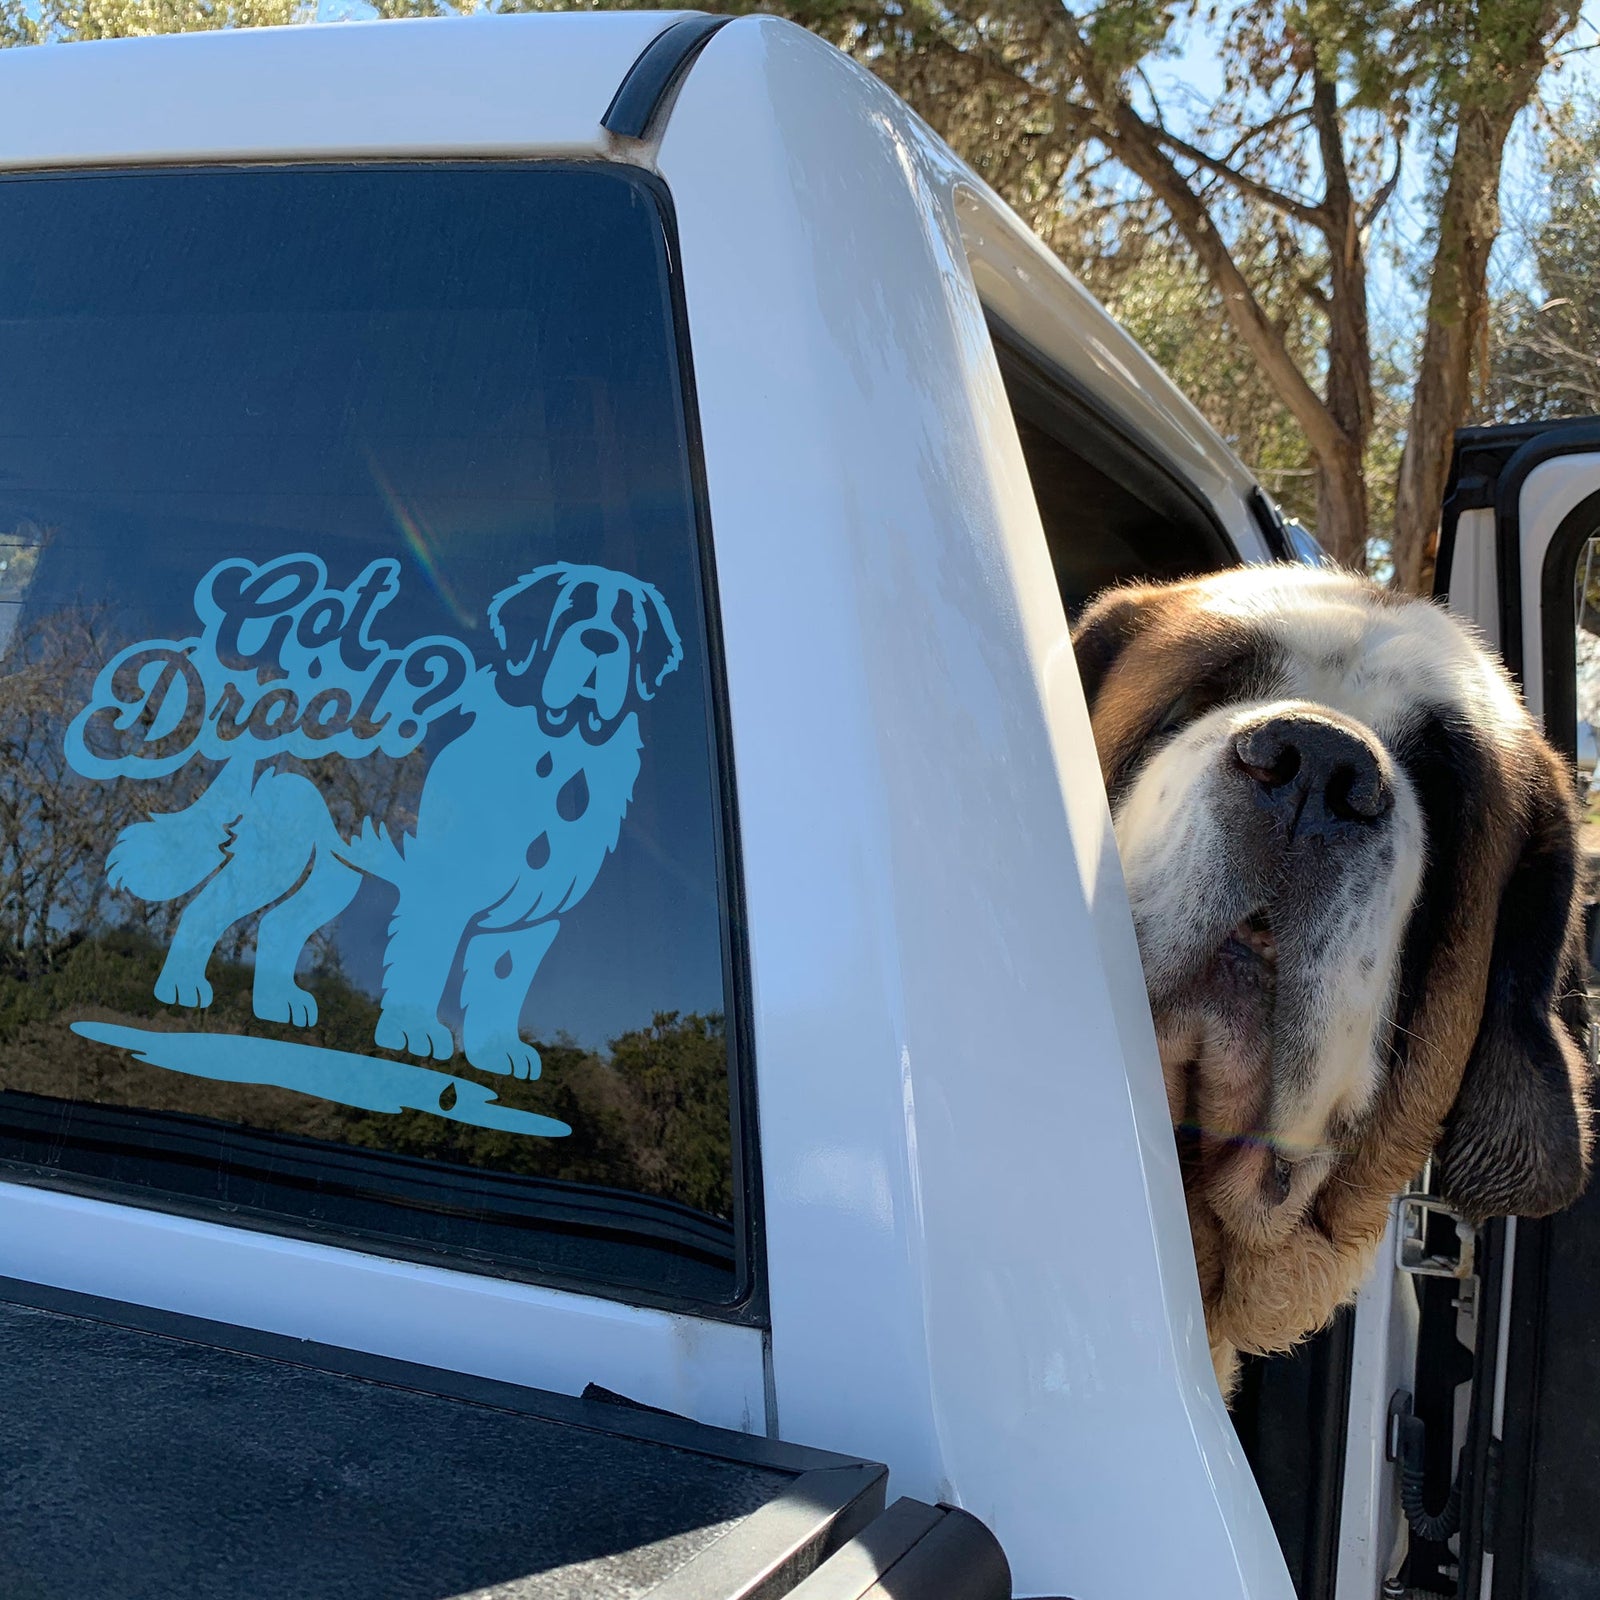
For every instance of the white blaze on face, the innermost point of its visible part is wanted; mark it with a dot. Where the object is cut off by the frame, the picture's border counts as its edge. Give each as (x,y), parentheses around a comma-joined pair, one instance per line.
(1374,660)
(1175,854)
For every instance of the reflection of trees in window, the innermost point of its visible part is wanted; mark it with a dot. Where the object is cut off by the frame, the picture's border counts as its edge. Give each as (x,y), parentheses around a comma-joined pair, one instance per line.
(651,1115)
(20,549)
(54,825)
(57,826)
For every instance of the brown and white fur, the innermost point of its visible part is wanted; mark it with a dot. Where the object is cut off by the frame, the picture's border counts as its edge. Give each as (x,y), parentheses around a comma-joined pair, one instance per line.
(1354,872)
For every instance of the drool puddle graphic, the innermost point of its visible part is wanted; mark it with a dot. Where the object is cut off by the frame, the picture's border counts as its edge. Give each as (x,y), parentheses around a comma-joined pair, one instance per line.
(517,813)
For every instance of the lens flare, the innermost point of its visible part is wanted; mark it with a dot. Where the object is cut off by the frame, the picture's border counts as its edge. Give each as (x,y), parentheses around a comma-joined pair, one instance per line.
(416,534)
(1255,1140)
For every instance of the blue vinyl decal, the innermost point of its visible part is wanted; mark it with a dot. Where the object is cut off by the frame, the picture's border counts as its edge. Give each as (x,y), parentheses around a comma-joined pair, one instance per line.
(516,816)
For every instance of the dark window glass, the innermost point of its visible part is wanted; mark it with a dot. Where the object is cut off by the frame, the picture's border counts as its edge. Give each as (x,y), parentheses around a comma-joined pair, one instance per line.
(1110,513)
(363,867)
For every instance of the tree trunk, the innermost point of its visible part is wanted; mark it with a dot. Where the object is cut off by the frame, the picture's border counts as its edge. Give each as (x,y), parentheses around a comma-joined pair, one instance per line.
(1458,307)
(1341,470)
(1342,509)
(1138,148)
(1458,298)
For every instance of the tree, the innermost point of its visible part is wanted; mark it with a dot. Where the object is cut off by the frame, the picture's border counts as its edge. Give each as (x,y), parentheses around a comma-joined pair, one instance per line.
(1274,191)
(1545,344)
(53,825)
(24,23)
(1510,49)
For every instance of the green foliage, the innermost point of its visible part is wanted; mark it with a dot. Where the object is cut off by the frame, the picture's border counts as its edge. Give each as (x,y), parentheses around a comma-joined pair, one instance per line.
(119,19)
(1122,33)
(676,1075)
(16,26)
(1425,58)
(1545,335)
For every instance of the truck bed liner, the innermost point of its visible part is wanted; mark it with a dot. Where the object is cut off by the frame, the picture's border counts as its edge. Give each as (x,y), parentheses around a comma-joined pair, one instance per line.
(149,1455)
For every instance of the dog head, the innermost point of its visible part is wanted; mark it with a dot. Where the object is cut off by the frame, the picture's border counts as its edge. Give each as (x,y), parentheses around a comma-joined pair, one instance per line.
(1353,867)
(584,645)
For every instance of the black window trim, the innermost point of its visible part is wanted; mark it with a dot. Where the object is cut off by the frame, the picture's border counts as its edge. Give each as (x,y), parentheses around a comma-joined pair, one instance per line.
(1560,674)
(646,90)
(1274,532)
(749,1302)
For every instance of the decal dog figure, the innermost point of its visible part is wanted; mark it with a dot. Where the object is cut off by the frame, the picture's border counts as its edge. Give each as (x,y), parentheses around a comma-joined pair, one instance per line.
(516,817)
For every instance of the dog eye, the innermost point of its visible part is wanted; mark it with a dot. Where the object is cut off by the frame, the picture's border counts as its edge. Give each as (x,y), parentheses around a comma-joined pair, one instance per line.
(1280,1179)
(1176,714)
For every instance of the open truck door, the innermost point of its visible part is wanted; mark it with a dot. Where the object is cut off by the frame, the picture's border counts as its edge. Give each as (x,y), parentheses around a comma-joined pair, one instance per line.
(1507,1354)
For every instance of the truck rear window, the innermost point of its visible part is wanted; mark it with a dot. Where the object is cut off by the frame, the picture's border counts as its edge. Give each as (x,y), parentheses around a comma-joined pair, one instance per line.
(363,860)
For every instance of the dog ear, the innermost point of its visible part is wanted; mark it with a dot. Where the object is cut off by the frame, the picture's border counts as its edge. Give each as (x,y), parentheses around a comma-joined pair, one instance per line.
(520,617)
(1108,625)
(660,649)
(1516,1143)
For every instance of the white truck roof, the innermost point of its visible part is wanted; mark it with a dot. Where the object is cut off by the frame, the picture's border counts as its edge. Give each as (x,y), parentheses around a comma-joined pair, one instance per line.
(464,86)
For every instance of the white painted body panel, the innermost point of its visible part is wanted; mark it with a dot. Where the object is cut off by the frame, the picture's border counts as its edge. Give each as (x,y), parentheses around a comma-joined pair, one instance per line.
(1474,577)
(977,1251)
(1383,1358)
(461,1322)
(978,1254)
(1029,290)
(1552,490)
(472,87)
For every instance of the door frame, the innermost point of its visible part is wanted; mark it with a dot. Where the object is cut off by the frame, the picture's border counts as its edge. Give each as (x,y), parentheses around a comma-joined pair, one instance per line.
(1530,477)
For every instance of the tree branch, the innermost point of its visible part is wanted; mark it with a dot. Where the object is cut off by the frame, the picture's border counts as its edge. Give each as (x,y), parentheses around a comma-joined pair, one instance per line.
(1336,196)
(1468,222)
(1138,146)
(1281,120)
(1287,204)
(1315,293)
(1375,205)
(1142,150)
(1000,73)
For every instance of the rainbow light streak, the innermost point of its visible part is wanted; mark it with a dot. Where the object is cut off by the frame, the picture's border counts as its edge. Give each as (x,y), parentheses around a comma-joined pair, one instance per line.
(1258,1141)
(416,535)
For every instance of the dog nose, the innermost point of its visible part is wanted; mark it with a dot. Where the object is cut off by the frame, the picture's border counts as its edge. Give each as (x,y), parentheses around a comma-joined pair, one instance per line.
(598,642)
(1313,774)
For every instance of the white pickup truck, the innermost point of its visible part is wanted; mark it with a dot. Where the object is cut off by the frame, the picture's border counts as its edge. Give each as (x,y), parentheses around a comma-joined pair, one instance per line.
(568,525)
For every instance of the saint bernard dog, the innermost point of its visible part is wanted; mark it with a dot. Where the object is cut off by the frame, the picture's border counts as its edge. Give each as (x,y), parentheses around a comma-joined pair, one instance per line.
(1354,872)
